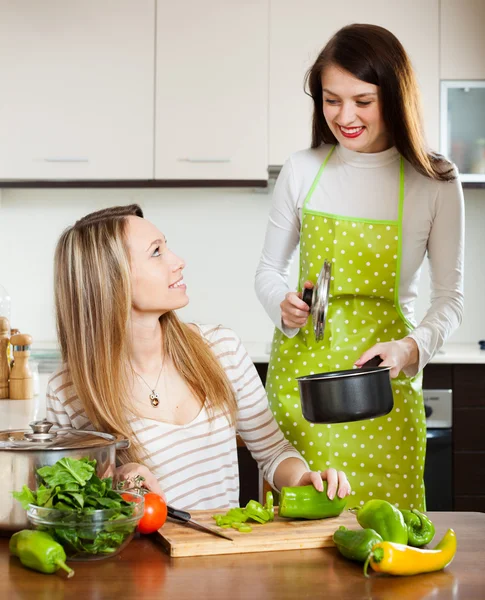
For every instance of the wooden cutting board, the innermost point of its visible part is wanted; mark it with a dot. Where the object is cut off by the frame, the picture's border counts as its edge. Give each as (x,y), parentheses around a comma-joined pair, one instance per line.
(281,534)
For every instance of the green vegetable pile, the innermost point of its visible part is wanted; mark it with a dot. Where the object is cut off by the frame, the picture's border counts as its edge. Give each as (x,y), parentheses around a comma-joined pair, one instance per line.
(237,517)
(72,487)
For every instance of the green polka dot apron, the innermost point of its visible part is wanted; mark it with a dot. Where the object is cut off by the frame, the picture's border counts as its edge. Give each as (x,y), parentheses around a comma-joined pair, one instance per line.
(382,457)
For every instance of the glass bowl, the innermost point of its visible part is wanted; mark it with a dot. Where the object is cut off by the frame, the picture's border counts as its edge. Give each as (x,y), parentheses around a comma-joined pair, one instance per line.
(94,536)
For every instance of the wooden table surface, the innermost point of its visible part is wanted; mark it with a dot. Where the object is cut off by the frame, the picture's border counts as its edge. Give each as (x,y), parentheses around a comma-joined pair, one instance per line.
(143,571)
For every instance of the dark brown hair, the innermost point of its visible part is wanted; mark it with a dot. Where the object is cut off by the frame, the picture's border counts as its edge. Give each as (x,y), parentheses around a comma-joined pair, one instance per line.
(374,55)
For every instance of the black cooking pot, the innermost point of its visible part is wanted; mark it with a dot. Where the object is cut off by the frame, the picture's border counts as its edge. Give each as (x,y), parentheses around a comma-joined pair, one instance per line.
(345,396)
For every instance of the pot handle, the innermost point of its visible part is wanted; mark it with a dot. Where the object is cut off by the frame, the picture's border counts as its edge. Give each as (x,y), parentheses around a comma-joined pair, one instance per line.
(122,443)
(373,362)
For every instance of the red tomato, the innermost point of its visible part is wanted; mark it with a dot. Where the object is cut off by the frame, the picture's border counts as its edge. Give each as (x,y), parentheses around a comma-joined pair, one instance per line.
(154,515)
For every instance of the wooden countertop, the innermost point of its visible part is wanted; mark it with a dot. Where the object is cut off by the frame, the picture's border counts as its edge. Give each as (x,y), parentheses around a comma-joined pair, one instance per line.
(144,571)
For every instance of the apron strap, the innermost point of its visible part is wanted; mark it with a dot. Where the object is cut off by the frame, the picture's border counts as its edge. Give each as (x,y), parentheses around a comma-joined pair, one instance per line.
(317,178)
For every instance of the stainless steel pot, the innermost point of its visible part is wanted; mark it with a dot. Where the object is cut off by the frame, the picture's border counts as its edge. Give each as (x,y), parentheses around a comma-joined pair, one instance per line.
(23,452)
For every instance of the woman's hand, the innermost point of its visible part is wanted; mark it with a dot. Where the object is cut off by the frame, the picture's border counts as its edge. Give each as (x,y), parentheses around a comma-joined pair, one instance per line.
(132,470)
(294,312)
(336,480)
(398,355)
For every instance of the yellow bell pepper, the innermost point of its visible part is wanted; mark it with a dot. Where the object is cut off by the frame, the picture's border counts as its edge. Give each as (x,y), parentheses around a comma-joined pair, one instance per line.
(399,559)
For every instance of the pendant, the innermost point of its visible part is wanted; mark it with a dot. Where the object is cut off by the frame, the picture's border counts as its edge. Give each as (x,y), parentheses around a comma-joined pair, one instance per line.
(154,399)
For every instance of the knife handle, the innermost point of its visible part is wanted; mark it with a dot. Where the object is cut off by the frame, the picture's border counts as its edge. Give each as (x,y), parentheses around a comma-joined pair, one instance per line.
(180,515)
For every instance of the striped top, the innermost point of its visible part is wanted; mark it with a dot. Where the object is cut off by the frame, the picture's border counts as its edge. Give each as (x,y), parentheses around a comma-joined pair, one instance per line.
(196,464)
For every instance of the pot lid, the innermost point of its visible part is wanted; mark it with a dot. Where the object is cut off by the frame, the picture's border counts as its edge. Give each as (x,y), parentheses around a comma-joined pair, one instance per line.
(41,437)
(317,300)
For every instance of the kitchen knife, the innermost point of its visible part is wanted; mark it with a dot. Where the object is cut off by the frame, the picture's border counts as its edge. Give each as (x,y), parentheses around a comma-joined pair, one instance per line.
(185,517)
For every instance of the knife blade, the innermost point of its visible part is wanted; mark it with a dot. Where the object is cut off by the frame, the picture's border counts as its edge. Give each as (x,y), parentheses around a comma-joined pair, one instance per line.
(185,517)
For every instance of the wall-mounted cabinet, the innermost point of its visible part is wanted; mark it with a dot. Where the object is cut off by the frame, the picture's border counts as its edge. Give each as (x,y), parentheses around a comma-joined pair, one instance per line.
(462,39)
(77,87)
(298,31)
(212,90)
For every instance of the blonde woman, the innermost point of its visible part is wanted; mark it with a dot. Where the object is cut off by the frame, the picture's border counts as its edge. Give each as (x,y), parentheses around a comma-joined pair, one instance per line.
(178,391)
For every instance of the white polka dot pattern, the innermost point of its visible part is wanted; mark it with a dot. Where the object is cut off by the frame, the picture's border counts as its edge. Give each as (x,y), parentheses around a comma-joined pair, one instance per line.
(382,457)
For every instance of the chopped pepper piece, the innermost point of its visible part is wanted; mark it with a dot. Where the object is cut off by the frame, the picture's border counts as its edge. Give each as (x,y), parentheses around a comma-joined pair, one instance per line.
(237,517)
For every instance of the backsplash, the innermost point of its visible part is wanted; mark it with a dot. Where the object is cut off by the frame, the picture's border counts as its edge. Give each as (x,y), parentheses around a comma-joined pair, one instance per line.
(219,233)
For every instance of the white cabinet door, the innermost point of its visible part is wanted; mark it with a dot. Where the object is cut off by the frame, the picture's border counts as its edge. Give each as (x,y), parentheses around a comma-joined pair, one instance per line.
(211,90)
(299,30)
(76,89)
(462,39)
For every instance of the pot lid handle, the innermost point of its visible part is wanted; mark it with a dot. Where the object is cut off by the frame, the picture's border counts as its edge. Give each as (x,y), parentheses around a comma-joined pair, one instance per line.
(41,426)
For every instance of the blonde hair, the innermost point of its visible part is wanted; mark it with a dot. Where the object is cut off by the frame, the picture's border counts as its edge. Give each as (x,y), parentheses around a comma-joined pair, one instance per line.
(93,300)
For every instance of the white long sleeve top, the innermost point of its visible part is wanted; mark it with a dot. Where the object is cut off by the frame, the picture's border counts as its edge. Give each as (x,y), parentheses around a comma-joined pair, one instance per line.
(366,186)
(196,464)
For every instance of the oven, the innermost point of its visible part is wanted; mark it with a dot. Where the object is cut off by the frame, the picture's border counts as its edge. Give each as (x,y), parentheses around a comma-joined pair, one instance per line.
(438,470)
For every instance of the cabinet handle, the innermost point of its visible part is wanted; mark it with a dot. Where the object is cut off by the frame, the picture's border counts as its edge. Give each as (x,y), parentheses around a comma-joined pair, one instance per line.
(205,160)
(65,160)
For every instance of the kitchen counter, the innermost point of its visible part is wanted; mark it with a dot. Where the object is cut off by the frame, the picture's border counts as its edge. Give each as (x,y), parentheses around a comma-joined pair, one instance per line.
(449,354)
(144,571)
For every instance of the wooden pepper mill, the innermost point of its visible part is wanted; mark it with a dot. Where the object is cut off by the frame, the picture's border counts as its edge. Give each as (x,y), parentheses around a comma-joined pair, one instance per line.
(4,362)
(21,381)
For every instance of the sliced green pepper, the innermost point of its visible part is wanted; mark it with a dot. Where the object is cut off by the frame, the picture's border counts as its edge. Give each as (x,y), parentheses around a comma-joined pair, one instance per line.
(420,529)
(356,544)
(39,551)
(257,512)
(305,502)
(385,518)
(237,517)
(269,506)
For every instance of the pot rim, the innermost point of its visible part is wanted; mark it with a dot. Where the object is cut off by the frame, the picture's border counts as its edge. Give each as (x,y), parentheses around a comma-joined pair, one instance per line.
(342,374)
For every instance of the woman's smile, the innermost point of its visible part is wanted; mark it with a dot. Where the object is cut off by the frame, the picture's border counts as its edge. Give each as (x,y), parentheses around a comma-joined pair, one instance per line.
(351,132)
(178,284)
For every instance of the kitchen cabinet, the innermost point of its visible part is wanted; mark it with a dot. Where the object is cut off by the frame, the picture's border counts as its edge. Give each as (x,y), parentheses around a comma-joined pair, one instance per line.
(211,90)
(299,30)
(76,100)
(462,43)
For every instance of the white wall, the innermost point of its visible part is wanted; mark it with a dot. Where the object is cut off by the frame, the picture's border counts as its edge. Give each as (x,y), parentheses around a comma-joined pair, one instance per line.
(219,232)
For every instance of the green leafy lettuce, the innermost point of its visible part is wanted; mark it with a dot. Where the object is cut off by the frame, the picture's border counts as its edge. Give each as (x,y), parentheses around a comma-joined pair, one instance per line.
(72,487)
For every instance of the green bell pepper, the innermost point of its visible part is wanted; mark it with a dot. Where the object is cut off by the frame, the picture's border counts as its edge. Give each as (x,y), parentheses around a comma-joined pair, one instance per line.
(356,544)
(305,502)
(237,517)
(420,529)
(39,551)
(385,518)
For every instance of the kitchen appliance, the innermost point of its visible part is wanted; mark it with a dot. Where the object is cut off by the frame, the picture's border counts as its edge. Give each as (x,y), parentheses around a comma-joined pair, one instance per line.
(317,299)
(438,470)
(345,396)
(23,452)
(185,517)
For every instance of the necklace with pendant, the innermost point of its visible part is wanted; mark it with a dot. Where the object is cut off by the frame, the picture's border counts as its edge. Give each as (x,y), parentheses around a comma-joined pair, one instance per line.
(154,397)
